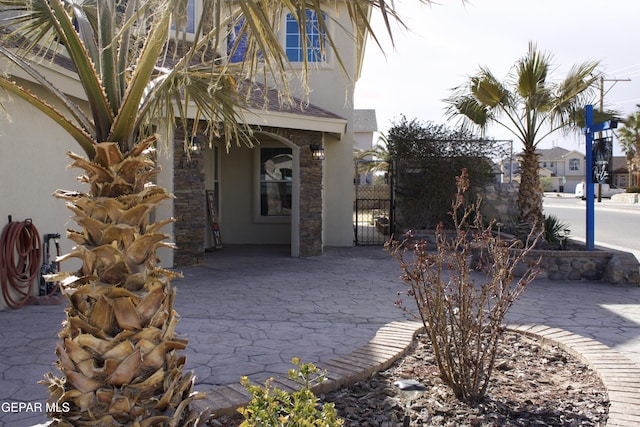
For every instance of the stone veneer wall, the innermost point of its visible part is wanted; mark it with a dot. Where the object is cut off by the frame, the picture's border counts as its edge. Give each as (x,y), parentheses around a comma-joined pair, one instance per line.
(604,264)
(310,189)
(499,202)
(190,203)
(568,265)
(601,264)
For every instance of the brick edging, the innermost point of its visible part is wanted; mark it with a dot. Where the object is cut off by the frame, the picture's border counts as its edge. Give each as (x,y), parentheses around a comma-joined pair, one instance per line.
(388,345)
(620,375)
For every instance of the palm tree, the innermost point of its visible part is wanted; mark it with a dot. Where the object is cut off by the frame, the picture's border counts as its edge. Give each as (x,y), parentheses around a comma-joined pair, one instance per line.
(372,160)
(530,106)
(119,355)
(629,138)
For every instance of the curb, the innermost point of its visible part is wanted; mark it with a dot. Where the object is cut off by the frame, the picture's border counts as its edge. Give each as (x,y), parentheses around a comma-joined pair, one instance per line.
(620,375)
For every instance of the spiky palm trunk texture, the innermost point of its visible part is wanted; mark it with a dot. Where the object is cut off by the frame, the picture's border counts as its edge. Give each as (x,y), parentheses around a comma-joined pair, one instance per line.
(119,355)
(529,196)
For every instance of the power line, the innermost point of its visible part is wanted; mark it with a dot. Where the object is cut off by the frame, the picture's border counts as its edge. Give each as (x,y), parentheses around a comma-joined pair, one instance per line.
(620,70)
(602,92)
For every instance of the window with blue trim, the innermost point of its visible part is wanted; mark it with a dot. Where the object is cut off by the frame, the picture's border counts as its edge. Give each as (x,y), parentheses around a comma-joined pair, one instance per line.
(315,39)
(237,42)
(190,25)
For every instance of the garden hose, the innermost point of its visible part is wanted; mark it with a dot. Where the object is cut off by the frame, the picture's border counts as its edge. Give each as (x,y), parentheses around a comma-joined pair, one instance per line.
(20,256)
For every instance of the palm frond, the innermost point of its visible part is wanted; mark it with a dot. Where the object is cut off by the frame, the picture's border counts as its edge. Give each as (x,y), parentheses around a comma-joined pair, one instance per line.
(131,64)
(71,106)
(87,73)
(82,138)
(124,124)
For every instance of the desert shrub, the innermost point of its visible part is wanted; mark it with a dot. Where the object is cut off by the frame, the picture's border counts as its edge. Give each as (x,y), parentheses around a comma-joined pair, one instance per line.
(546,183)
(427,157)
(633,189)
(272,407)
(462,318)
(554,229)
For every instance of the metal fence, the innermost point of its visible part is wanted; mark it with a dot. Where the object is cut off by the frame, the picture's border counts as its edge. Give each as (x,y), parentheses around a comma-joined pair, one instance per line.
(373,204)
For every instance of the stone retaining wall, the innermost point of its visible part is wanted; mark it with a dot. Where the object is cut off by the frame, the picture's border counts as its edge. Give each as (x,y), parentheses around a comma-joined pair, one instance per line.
(499,203)
(625,198)
(601,264)
(568,265)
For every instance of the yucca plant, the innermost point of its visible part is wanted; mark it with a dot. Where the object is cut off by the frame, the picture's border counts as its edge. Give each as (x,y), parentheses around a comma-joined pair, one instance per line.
(554,229)
(119,356)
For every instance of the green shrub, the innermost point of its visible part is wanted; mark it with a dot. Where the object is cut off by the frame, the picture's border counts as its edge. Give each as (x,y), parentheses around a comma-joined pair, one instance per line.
(272,407)
(546,182)
(427,158)
(634,189)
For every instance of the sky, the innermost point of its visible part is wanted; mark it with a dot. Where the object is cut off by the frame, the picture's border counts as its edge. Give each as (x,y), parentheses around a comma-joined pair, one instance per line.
(447,42)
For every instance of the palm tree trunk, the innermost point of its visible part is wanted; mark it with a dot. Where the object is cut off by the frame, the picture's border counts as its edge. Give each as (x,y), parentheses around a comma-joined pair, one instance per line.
(119,356)
(530,216)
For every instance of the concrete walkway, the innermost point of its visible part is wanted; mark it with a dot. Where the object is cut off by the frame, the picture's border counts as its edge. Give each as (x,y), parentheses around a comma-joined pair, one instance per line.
(249,310)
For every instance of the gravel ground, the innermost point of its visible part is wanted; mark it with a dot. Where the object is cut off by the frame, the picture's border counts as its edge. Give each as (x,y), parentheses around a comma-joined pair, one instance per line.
(534,384)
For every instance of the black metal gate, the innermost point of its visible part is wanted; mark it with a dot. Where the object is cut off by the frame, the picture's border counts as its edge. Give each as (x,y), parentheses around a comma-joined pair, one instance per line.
(373,206)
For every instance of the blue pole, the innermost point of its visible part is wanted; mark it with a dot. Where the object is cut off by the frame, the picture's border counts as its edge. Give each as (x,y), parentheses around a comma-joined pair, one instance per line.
(588,191)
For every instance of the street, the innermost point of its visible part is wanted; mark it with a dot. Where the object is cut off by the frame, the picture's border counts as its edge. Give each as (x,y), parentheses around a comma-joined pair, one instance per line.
(616,225)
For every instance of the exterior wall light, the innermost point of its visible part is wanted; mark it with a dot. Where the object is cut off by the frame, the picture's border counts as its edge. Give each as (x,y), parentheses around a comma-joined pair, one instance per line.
(195,145)
(317,151)
(194,148)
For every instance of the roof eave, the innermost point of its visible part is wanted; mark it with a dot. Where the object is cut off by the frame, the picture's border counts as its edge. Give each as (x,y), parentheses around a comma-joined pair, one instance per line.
(335,126)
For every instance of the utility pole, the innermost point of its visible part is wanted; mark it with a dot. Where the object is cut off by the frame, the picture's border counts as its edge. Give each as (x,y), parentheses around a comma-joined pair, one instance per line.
(614,81)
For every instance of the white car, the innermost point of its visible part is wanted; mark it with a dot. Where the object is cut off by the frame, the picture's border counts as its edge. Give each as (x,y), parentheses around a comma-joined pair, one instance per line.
(607,190)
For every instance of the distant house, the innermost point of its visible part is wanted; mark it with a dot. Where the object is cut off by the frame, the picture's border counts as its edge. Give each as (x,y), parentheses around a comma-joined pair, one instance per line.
(620,173)
(566,167)
(563,168)
(364,127)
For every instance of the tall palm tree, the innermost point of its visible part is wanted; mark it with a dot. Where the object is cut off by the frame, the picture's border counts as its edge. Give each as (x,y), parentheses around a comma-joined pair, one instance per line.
(529,105)
(119,357)
(629,139)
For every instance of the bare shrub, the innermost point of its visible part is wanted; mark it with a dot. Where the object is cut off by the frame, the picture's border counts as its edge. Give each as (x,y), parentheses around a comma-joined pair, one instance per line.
(462,291)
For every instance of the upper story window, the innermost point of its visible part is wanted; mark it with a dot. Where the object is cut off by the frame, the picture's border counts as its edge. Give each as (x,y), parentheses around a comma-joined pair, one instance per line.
(574,164)
(237,39)
(189,26)
(314,37)
(237,42)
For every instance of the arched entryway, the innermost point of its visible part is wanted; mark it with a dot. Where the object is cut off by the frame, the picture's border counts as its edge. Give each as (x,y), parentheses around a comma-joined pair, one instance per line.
(254,207)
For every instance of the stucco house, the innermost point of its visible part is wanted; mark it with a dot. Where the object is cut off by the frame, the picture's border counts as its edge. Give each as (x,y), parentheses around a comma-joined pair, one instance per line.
(620,176)
(563,168)
(276,193)
(365,125)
